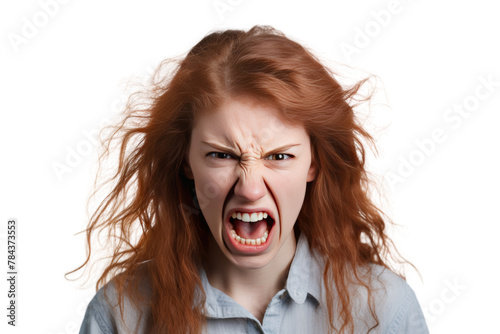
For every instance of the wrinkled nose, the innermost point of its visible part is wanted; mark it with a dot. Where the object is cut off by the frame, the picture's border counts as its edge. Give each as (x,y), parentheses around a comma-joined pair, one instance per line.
(250,186)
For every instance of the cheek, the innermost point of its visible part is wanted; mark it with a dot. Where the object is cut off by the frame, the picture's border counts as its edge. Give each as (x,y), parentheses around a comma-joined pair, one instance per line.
(212,187)
(293,180)
(293,195)
(289,190)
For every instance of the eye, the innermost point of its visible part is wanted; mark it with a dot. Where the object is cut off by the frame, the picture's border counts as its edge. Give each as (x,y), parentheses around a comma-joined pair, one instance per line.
(279,156)
(219,155)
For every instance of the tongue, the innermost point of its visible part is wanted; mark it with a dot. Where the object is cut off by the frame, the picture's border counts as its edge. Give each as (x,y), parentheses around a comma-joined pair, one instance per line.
(251,230)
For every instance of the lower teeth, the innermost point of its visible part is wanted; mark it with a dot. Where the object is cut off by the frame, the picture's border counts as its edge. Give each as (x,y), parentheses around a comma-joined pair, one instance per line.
(252,242)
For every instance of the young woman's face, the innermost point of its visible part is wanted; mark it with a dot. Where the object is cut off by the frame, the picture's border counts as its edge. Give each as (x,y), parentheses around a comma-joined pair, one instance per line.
(250,172)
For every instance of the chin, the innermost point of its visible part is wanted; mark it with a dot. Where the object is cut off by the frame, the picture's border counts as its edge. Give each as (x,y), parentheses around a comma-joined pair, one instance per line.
(250,262)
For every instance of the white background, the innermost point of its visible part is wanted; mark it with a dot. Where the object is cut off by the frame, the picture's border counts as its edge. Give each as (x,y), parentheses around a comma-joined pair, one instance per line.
(63,79)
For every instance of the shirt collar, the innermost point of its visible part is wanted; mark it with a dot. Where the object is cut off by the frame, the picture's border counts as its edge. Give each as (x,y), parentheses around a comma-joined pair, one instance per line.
(304,278)
(305,275)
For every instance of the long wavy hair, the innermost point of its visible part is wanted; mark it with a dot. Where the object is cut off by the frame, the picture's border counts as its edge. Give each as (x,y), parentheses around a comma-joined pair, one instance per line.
(150,192)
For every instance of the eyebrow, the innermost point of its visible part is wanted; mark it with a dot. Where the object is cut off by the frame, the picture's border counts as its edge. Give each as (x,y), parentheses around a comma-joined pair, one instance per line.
(231,150)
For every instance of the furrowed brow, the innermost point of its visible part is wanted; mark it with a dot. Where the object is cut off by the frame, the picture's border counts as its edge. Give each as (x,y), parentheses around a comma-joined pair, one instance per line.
(220,147)
(282,149)
(230,150)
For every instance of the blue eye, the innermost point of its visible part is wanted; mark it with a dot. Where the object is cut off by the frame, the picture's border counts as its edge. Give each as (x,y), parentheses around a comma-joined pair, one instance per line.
(219,155)
(279,156)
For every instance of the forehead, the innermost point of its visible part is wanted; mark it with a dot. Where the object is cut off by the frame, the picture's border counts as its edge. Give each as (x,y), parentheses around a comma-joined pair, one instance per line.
(246,122)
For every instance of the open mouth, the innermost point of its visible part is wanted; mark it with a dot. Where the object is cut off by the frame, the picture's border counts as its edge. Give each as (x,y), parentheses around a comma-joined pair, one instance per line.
(250,228)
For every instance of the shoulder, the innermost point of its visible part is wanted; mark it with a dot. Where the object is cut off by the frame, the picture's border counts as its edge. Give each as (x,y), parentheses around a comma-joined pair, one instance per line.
(105,314)
(394,301)
(100,315)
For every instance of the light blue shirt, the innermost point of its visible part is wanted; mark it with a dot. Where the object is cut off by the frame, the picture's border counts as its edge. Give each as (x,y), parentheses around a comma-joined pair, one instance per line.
(298,308)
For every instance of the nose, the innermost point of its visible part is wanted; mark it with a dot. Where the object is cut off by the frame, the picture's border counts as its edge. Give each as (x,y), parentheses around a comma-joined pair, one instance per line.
(250,186)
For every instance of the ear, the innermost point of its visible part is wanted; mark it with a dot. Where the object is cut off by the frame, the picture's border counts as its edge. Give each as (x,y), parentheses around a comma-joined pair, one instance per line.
(313,171)
(187,168)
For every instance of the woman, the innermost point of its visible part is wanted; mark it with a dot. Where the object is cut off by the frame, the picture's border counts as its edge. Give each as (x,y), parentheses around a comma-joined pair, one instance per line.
(247,183)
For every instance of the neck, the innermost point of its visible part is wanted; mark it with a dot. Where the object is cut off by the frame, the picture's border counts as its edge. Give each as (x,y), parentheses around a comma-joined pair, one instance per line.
(253,288)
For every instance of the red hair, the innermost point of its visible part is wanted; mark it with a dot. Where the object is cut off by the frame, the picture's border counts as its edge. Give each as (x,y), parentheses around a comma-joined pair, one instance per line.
(150,189)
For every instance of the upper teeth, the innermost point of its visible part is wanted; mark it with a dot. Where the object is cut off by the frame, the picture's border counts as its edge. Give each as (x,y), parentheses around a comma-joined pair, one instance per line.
(249,217)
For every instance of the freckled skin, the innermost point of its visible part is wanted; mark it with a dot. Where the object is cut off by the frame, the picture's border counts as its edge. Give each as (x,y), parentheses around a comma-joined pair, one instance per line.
(234,162)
